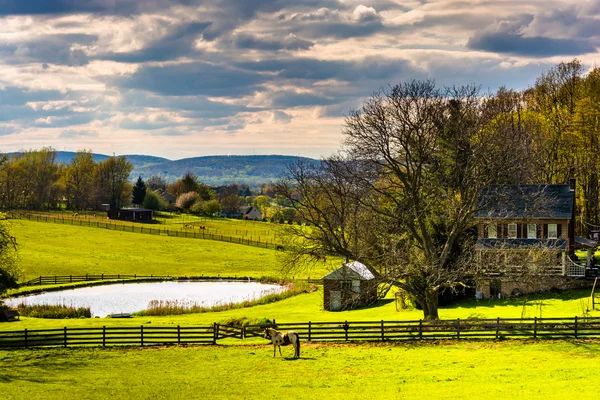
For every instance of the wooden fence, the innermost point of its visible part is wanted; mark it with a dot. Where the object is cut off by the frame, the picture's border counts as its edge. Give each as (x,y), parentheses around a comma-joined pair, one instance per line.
(531,328)
(141,228)
(534,328)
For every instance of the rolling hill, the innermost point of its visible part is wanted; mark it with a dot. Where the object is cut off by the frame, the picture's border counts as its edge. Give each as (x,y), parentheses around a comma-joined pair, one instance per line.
(212,170)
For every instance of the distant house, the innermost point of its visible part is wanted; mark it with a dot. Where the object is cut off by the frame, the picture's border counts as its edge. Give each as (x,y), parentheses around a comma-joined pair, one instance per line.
(131,214)
(351,285)
(166,197)
(251,212)
(244,212)
(528,225)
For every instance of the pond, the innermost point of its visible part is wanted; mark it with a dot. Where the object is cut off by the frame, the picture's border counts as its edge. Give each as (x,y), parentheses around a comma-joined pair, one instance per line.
(132,297)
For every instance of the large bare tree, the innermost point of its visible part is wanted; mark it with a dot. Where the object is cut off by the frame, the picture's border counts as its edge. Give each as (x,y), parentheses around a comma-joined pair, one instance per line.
(400,195)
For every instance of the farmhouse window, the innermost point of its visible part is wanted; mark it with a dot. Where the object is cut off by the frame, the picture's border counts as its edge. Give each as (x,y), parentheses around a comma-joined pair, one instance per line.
(512,231)
(552,231)
(356,286)
(345,286)
(492,232)
(531,231)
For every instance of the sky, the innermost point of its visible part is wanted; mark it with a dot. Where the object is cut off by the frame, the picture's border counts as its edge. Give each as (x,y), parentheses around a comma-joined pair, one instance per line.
(185,78)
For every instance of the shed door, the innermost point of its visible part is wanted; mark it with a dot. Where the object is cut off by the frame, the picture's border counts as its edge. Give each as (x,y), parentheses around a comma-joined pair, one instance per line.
(335,299)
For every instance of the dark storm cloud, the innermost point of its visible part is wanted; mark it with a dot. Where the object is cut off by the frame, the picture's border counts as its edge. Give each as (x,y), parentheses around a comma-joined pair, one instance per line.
(507,36)
(191,79)
(119,7)
(175,44)
(314,69)
(511,43)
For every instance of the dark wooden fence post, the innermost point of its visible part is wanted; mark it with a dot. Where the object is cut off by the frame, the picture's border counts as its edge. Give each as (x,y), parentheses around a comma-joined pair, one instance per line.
(178,334)
(142,334)
(65,342)
(215,332)
(382,331)
(103,336)
(346,326)
(497,328)
(26,337)
(535,327)
(575,327)
(420,329)
(309,330)
(457,328)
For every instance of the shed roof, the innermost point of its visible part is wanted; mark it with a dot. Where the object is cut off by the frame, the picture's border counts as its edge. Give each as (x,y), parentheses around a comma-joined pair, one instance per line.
(524,244)
(351,271)
(526,201)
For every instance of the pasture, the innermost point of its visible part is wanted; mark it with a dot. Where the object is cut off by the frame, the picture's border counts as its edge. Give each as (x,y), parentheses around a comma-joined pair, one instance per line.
(448,370)
(56,249)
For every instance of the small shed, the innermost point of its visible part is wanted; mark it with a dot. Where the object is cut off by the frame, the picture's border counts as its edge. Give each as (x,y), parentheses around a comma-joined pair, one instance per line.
(351,285)
(131,214)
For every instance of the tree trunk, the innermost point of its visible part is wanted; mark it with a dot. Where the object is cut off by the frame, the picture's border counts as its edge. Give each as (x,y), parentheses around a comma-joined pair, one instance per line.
(430,309)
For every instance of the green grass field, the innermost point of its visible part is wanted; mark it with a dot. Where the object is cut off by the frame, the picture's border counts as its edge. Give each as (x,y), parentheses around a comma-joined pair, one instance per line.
(56,249)
(451,370)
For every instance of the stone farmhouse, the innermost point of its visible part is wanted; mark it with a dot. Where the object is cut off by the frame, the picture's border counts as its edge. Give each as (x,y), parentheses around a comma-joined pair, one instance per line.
(529,226)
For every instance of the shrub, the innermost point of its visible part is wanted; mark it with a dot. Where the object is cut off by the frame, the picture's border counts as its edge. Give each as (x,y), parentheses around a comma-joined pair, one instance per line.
(53,311)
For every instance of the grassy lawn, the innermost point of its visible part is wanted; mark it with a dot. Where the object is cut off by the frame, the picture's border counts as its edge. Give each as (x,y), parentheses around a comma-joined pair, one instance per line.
(53,249)
(495,370)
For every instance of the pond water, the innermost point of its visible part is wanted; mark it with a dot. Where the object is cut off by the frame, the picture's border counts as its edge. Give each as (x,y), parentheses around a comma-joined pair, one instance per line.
(132,297)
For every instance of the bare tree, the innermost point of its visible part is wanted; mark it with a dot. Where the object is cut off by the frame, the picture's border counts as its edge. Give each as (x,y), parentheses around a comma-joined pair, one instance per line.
(401,194)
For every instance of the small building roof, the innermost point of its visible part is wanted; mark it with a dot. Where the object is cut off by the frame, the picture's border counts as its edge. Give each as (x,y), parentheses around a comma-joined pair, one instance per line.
(135,209)
(351,271)
(523,244)
(525,202)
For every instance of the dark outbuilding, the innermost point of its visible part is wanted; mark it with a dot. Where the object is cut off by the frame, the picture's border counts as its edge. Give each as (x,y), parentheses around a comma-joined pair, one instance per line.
(131,214)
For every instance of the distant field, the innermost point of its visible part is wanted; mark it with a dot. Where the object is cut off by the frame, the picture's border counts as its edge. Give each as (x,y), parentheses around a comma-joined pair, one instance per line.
(264,232)
(469,370)
(56,249)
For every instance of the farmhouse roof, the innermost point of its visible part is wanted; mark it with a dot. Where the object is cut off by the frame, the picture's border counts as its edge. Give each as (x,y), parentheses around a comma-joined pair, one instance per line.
(529,244)
(351,271)
(526,202)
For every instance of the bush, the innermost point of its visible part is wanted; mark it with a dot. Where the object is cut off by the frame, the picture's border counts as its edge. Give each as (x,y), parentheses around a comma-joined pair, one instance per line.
(58,311)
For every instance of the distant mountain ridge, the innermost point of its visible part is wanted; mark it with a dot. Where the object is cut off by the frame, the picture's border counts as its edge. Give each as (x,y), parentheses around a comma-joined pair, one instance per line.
(212,170)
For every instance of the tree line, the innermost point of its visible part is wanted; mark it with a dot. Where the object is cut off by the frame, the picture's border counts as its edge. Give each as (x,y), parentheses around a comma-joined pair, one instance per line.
(400,194)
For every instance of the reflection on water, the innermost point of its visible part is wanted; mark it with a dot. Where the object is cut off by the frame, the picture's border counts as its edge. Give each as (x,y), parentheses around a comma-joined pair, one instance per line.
(132,297)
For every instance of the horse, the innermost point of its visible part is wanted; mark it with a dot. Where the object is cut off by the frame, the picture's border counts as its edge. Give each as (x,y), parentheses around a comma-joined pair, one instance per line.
(279,338)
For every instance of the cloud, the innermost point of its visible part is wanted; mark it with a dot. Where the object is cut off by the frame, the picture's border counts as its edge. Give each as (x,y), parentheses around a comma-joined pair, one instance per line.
(51,49)
(245,40)
(506,36)
(281,117)
(77,134)
(178,42)
(193,78)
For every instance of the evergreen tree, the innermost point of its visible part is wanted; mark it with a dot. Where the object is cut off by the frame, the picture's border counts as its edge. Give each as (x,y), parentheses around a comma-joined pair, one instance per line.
(139,192)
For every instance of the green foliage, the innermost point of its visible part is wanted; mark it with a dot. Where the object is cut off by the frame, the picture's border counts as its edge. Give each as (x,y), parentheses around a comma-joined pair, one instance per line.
(139,192)
(53,311)
(153,201)
(206,208)
(9,269)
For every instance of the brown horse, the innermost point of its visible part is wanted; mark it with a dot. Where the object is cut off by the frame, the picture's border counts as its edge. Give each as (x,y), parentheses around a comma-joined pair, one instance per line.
(283,339)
